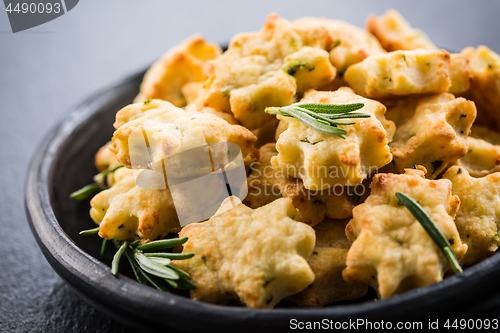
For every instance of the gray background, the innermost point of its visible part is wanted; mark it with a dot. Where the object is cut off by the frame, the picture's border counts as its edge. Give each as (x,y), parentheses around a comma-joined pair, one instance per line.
(47,69)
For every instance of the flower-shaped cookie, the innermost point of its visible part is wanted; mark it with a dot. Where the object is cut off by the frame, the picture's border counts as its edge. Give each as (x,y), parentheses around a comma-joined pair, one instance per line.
(351,44)
(391,251)
(430,131)
(171,130)
(324,161)
(181,65)
(485,87)
(394,33)
(327,262)
(401,73)
(266,185)
(478,218)
(127,211)
(267,68)
(483,156)
(257,256)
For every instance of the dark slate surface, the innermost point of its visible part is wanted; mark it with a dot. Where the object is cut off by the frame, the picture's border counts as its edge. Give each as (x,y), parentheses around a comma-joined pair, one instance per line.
(46,70)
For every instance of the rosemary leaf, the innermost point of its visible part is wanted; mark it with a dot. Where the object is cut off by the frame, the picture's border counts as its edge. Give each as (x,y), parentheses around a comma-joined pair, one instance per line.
(173,256)
(179,271)
(161,261)
(154,268)
(162,244)
(336,123)
(134,243)
(92,189)
(145,273)
(87,192)
(133,264)
(328,120)
(136,269)
(344,115)
(432,230)
(276,110)
(104,246)
(314,124)
(117,257)
(317,116)
(322,117)
(172,283)
(154,281)
(94,231)
(186,284)
(100,177)
(331,108)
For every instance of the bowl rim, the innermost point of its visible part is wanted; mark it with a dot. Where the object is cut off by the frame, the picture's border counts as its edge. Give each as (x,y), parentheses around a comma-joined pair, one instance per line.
(92,279)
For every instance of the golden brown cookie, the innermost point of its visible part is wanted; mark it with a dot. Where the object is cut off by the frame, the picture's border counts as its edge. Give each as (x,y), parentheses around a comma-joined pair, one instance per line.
(430,131)
(257,256)
(266,185)
(324,161)
(479,215)
(391,251)
(401,73)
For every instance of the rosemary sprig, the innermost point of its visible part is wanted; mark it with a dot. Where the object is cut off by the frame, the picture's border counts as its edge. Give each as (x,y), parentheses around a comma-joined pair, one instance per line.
(117,257)
(331,108)
(186,284)
(155,265)
(101,176)
(173,256)
(430,227)
(155,282)
(90,190)
(135,243)
(179,271)
(87,191)
(161,261)
(154,268)
(172,283)
(137,271)
(104,246)
(163,244)
(322,117)
(317,125)
(94,231)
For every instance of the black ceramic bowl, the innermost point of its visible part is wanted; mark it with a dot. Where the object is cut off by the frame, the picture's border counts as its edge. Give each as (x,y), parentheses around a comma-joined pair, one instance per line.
(64,162)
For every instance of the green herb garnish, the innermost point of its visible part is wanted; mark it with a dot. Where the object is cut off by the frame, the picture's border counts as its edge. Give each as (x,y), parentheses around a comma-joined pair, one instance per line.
(90,190)
(86,192)
(322,117)
(173,256)
(432,230)
(117,257)
(101,176)
(153,268)
(94,231)
(104,246)
(334,45)
(162,244)
(186,284)
(135,243)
